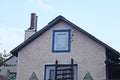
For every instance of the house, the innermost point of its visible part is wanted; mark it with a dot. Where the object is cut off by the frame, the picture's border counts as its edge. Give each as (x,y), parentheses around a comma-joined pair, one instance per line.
(63,51)
(10,68)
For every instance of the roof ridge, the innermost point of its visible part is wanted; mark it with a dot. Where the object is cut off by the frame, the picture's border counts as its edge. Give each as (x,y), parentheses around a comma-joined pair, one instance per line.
(51,24)
(57,18)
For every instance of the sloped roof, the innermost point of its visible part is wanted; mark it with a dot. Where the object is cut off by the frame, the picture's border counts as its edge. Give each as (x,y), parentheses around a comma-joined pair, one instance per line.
(51,24)
(8,58)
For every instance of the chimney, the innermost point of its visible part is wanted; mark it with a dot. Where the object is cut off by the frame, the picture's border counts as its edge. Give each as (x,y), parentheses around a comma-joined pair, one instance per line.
(33,26)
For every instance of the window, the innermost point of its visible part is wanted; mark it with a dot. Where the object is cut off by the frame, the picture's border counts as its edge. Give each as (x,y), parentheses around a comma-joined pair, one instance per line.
(61,41)
(12,75)
(50,72)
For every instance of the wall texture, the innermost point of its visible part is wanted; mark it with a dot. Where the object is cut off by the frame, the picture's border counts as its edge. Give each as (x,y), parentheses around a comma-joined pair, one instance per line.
(88,54)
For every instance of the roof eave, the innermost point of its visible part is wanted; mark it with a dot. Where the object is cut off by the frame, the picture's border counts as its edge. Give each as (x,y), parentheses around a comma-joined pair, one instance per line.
(47,27)
(34,36)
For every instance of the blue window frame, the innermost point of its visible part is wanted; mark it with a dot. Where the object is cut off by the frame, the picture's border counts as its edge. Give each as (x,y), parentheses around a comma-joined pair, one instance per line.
(61,41)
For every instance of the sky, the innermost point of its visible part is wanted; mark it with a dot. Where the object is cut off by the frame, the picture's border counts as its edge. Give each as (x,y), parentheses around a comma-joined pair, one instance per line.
(101,18)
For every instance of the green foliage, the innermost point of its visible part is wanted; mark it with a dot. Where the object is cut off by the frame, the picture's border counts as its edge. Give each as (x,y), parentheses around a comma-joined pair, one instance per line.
(33,76)
(88,76)
(3,57)
(1,60)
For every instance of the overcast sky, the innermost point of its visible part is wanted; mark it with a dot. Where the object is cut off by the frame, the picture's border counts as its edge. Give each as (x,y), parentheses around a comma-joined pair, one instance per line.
(101,18)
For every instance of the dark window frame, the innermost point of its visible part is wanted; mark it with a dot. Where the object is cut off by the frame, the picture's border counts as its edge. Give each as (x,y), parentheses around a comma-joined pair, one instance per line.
(66,65)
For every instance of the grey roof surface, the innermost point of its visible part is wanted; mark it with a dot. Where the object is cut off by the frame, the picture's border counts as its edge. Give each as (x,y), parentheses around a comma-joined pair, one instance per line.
(51,24)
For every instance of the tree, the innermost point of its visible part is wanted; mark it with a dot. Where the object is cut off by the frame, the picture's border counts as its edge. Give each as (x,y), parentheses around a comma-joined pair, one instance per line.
(1,60)
(6,55)
(3,57)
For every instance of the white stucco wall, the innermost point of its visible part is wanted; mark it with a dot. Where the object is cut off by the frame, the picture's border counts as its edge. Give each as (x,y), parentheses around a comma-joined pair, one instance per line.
(88,54)
(29,33)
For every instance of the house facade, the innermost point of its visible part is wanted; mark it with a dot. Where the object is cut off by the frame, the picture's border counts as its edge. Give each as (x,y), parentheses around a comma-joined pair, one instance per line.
(10,68)
(76,53)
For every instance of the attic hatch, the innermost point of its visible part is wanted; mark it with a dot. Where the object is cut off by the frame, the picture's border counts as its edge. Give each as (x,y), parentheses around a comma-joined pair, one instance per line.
(88,76)
(33,77)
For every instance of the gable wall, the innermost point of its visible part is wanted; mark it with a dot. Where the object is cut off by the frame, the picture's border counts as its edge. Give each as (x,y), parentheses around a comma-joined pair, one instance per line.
(88,54)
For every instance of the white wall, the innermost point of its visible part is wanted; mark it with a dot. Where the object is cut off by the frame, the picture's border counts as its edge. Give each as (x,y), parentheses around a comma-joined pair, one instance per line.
(29,33)
(88,54)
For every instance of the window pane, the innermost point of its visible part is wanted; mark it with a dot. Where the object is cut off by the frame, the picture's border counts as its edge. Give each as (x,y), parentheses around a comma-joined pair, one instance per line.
(61,41)
(64,72)
(52,75)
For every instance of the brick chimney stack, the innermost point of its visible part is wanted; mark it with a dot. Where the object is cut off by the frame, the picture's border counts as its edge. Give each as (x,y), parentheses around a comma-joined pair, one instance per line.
(33,26)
